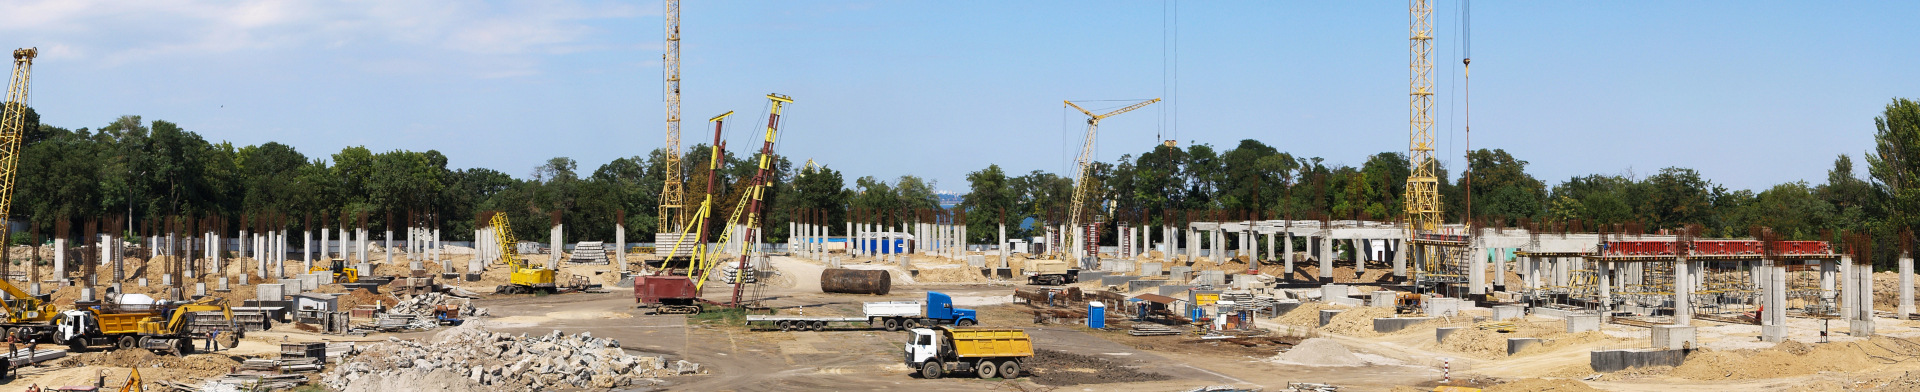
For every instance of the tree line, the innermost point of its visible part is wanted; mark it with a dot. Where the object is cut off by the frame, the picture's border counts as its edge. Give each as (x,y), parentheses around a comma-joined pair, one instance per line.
(147,172)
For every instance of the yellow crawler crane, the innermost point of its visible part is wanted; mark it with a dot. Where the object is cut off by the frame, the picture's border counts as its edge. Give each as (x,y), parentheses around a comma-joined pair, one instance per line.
(524,277)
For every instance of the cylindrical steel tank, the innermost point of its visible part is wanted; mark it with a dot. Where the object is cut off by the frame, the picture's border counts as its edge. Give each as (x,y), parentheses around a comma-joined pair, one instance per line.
(853,281)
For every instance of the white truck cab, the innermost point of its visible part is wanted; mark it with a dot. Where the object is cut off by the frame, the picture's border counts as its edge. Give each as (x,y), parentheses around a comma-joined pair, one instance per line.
(922,345)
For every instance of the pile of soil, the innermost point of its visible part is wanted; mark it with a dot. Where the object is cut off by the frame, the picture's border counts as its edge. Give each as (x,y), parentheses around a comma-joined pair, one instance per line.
(360,297)
(1059,368)
(1782,360)
(1489,344)
(948,273)
(1358,321)
(1541,384)
(1319,352)
(1305,316)
(197,365)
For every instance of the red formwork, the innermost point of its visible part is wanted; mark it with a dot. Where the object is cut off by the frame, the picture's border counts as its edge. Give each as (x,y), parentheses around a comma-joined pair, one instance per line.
(652,290)
(1714,248)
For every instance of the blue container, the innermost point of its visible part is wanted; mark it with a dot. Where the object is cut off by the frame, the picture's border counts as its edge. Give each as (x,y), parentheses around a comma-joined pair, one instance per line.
(1096,315)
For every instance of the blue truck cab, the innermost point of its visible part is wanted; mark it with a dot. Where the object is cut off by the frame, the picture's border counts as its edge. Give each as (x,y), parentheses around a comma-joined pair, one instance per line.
(940,308)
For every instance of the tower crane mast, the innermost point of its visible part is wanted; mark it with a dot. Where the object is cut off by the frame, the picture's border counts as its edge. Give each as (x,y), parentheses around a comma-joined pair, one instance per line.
(672,203)
(13,128)
(1083,188)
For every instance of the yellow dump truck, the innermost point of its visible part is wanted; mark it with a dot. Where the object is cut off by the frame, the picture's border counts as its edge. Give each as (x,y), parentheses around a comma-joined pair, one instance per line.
(163,327)
(984,352)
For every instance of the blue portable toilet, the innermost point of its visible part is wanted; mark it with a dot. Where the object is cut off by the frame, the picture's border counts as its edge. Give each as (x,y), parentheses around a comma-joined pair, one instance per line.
(1096,315)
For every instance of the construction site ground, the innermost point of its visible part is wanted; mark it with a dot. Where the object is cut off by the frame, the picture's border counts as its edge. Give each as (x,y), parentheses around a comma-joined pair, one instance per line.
(1073,357)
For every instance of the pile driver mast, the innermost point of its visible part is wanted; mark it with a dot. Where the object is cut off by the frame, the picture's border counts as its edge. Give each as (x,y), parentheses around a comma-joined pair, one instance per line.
(1083,187)
(672,203)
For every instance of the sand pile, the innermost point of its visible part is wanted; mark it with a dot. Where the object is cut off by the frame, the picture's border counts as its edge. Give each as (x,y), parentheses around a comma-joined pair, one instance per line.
(1319,352)
(1489,344)
(949,273)
(1305,316)
(1781,360)
(1357,321)
(196,366)
(1540,384)
(361,297)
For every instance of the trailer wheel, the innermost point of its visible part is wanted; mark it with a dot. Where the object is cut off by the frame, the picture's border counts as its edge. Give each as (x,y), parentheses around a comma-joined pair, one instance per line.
(893,324)
(986,369)
(126,342)
(784,326)
(1010,369)
(932,370)
(819,325)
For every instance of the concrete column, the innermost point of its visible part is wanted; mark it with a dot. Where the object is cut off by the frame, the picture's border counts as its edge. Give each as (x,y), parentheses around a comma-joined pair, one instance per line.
(1252,249)
(1906,286)
(1862,324)
(1003,246)
(60,260)
(280,242)
(386,244)
(1286,255)
(1682,292)
(1846,292)
(553,235)
(619,246)
(1605,270)
(1271,256)
(1500,270)
(1828,269)
(1477,270)
(360,244)
(246,243)
(1773,315)
(1354,247)
(1399,250)
(1326,258)
(326,245)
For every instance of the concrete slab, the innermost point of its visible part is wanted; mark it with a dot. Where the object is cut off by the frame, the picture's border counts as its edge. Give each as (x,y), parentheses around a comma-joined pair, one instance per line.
(1335,291)
(1674,337)
(1578,323)
(1514,345)
(1508,312)
(270,292)
(1441,307)
(1383,299)
(1395,324)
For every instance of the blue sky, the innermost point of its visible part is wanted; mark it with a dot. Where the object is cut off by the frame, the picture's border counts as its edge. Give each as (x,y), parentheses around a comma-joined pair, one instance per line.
(1749,93)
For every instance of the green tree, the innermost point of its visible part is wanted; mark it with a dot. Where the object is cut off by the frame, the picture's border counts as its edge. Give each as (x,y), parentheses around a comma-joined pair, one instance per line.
(1895,161)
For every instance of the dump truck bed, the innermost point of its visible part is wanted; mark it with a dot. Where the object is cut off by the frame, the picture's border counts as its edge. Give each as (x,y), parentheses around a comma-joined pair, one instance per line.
(989,342)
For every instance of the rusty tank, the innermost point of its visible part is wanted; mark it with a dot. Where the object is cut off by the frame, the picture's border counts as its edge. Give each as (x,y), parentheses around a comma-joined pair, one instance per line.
(853,281)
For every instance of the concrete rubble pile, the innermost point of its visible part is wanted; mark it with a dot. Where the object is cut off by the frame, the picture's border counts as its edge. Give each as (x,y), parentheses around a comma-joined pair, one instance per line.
(471,358)
(421,307)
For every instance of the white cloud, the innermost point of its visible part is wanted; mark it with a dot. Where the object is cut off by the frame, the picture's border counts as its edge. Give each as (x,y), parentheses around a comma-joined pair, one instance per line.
(119,33)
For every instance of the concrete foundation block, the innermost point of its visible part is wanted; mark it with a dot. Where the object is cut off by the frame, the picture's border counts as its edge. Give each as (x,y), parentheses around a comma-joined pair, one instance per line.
(142,282)
(1115,280)
(1440,334)
(293,286)
(1383,299)
(977,261)
(243,280)
(199,289)
(270,292)
(1395,324)
(1326,315)
(1210,278)
(1773,333)
(1441,307)
(86,294)
(322,279)
(1674,337)
(1142,284)
(476,277)
(1514,345)
(222,285)
(1582,323)
(1550,313)
(1180,273)
(309,282)
(1508,312)
(166,279)
(1149,269)
(1860,327)
(1329,292)
(1089,276)
(1616,360)
(1174,290)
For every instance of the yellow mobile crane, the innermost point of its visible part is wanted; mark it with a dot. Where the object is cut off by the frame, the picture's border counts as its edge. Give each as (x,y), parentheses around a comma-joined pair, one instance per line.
(26,315)
(525,277)
(677,294)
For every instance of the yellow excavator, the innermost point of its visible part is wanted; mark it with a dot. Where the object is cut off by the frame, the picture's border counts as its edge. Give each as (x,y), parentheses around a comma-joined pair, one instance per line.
(341,272)
(524,277)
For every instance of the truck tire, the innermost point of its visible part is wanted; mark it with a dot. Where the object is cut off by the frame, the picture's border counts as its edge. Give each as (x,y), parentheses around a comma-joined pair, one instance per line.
(126,342)
(1010,369)
(819,326)
(785,325)
(893,324)
(964,323)
(986,369)
(932,370)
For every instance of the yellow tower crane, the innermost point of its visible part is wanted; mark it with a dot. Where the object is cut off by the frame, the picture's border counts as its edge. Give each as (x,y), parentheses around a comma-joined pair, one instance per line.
(13,128)
(1423,185)
(1082,185)
(672,216)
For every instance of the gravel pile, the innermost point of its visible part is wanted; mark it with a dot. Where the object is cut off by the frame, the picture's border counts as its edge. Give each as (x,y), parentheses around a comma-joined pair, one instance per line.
(472,358)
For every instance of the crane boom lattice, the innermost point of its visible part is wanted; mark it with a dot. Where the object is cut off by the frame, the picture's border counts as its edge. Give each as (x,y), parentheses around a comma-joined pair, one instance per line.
(1083,187)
